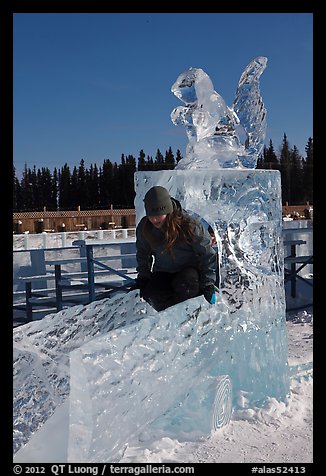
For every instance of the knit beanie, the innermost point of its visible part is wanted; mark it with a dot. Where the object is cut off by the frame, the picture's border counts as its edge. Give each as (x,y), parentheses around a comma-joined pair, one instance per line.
(158,201)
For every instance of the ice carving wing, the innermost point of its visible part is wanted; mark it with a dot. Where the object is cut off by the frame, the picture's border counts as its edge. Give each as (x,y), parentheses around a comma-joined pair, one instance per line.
(250,109)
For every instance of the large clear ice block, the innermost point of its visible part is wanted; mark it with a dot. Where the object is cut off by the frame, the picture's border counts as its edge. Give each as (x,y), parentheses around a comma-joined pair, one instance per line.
(243,208)
(164,372)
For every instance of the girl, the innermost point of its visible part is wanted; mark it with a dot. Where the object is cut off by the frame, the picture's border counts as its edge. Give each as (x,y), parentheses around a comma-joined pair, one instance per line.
(175,259)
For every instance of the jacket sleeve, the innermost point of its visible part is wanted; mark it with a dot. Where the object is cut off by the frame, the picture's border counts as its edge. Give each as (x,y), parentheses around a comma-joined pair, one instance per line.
(143,253)
(207,256)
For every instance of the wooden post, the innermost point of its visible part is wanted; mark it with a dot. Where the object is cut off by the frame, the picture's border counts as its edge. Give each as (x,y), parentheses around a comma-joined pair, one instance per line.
(44,239)
(58,287)
(38,267)
(26,241)
(293,273)
(28,295)
(64,239)
(90,272)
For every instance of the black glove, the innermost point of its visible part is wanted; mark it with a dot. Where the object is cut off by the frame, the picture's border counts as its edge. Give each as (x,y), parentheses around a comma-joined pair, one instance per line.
(140,283)
(209,294)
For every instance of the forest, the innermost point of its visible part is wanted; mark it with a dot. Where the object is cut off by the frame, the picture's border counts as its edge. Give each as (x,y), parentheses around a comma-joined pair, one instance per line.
(112,183)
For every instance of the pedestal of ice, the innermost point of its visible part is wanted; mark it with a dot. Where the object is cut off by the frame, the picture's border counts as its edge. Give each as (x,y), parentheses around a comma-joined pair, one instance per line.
(183,370)
(243,207)
(180,371)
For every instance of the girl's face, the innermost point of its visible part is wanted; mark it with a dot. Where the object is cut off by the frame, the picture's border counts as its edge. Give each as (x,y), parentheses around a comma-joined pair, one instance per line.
(157,221)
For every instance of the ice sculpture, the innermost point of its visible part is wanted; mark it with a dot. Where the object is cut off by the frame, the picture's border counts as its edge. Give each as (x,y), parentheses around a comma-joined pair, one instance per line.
(182,370)
(116,370)
(121,370)
(221,136)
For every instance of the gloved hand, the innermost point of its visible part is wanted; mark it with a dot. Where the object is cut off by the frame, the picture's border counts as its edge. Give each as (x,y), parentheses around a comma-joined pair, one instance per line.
(209,294)
(140,283)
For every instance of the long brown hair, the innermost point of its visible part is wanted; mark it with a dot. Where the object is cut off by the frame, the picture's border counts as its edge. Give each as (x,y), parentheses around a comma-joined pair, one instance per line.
(176,226)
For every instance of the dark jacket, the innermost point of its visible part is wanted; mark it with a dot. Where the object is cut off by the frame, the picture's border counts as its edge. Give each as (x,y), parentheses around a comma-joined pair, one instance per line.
(199,254)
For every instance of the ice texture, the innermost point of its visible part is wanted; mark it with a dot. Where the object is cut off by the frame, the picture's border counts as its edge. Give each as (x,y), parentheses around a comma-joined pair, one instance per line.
(220,136)
(128,371)
(41,354)
(164,372)
(243,208)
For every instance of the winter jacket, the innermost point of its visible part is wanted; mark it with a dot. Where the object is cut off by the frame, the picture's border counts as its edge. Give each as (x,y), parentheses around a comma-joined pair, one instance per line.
(199,254)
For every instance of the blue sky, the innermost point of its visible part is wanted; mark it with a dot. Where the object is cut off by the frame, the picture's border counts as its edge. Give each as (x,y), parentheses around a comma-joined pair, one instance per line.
(94,86)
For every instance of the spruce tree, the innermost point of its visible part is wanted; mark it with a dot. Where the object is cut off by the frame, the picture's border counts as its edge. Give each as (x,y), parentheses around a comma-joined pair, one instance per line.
(74,200)
(271,160)
(55,190)
(296,177)
(65,191)
(308,172)
(92,183)
(106,185)
(178,156)
(169,161)
(141,161)
(285,168)
(159,160)
(17,202)
(82,187)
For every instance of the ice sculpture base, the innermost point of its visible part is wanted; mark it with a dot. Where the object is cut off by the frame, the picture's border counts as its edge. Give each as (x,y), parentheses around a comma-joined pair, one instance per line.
(124,368)
(243,209)
(180,371)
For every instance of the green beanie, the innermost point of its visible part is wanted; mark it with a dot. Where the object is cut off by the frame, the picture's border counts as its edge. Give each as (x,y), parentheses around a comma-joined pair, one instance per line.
(158,201)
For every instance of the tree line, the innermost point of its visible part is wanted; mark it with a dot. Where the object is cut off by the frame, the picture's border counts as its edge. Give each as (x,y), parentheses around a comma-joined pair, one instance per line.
(97,188)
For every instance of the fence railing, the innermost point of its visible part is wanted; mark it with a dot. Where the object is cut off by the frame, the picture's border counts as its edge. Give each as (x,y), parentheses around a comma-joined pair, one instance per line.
(75,274)
(26,241)
(37,283)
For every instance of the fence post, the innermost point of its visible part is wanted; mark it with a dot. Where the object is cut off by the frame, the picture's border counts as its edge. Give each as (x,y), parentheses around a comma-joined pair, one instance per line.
(90,272)
(44,236)
(64,239)
(58,287)
(26,241)
(28,295)
(38,266)
(82,254)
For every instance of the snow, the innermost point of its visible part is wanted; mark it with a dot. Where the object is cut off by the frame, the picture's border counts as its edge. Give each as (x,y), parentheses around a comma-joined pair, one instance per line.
(276,433)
